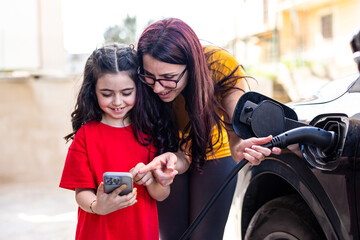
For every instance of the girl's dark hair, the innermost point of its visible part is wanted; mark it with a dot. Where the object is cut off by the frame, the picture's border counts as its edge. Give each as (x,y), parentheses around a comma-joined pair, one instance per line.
(173,41)
(114,58)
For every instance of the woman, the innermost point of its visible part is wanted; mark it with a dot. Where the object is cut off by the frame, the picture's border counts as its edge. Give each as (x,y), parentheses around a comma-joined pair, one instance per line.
(202,85)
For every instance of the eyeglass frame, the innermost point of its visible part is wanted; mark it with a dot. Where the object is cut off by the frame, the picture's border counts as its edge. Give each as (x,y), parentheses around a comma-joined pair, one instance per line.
(143,77)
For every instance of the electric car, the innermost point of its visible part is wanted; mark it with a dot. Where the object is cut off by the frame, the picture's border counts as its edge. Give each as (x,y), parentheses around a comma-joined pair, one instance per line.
(336,96)
(308,193)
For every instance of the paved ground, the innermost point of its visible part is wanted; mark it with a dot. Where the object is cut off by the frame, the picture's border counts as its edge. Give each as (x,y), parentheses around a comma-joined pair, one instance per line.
(40,211)
(36,211)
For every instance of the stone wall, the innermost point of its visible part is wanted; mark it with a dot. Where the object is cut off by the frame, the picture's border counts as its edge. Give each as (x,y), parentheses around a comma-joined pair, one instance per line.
(34,118)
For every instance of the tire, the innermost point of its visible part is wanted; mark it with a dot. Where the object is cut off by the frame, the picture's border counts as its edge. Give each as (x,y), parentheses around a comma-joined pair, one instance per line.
(285,218)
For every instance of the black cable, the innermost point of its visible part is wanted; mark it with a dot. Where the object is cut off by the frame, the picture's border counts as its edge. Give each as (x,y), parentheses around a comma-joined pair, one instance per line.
(310,135)
(198,219)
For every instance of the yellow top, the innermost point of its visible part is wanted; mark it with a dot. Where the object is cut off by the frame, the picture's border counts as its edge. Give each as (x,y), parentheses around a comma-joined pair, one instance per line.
(221,65)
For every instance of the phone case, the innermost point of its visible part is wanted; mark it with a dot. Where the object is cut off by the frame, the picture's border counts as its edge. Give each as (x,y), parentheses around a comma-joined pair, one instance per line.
(114,180)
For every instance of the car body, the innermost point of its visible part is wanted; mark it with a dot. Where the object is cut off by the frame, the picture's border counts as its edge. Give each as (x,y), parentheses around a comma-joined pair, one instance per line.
(293,196)
(332,97)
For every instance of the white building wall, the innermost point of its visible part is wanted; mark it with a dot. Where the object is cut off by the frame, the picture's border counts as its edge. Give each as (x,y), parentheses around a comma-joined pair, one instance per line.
(53,53)
(19,40)
(31,35)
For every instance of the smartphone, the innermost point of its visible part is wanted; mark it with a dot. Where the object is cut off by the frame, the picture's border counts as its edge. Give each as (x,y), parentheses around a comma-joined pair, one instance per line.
(114,180)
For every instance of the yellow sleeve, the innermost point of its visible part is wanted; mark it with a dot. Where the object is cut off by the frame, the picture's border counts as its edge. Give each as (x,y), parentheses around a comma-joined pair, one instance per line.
(223,65)
(226,72)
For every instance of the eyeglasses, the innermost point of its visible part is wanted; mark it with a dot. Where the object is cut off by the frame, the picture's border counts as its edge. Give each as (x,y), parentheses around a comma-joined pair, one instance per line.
(166,83)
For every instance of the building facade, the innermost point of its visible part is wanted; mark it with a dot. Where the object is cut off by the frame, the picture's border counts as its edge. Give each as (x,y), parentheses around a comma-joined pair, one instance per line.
(311,34)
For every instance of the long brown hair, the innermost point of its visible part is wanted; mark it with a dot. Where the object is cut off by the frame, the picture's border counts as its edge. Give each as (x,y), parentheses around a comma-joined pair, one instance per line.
(114,58)
(173,41)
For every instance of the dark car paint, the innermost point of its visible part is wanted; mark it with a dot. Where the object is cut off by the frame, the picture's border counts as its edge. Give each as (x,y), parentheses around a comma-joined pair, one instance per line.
(333,196)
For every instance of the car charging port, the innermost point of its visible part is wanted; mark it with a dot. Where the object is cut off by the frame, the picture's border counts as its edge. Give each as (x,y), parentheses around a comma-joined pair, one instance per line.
(327,158)
(323,142)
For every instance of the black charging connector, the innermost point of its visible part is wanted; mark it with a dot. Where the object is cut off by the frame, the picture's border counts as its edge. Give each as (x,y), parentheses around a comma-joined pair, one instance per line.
(309,135)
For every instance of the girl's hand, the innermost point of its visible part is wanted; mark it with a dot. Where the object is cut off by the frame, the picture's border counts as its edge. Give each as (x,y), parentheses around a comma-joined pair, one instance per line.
(107,203)
(163,168)
(145,178)
(251,150)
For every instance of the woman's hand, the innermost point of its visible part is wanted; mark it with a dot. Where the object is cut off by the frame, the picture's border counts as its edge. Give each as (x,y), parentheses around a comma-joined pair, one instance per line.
(251,150)
(163,168)
(107,203)
(145,178)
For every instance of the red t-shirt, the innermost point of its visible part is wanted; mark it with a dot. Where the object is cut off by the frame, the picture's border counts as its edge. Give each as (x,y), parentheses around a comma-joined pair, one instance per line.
(99,148)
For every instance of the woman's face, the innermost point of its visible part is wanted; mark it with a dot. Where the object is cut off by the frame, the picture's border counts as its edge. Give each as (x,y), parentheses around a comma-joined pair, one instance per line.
(162,70)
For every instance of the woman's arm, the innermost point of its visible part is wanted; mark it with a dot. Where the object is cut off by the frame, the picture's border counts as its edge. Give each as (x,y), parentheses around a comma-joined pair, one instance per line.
(166,166)
(155,190)
(249,149)
(182,162)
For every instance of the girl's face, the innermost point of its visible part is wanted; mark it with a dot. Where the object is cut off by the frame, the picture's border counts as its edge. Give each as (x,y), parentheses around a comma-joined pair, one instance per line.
(162,70)
(116,95)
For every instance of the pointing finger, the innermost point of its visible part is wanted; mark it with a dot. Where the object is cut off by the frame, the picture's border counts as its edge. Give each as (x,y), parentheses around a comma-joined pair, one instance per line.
(151,166)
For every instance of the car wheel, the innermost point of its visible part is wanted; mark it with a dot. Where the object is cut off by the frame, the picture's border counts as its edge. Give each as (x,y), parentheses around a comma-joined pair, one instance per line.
(285,218)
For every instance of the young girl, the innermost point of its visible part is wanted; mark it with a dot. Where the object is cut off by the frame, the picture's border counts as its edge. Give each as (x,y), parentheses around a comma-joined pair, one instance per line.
(105,139)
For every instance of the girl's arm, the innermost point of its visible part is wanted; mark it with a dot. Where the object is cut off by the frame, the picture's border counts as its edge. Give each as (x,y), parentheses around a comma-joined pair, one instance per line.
(102,203)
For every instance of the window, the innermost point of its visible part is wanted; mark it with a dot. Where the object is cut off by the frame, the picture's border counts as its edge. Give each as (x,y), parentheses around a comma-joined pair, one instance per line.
(266,11)
(326,26)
